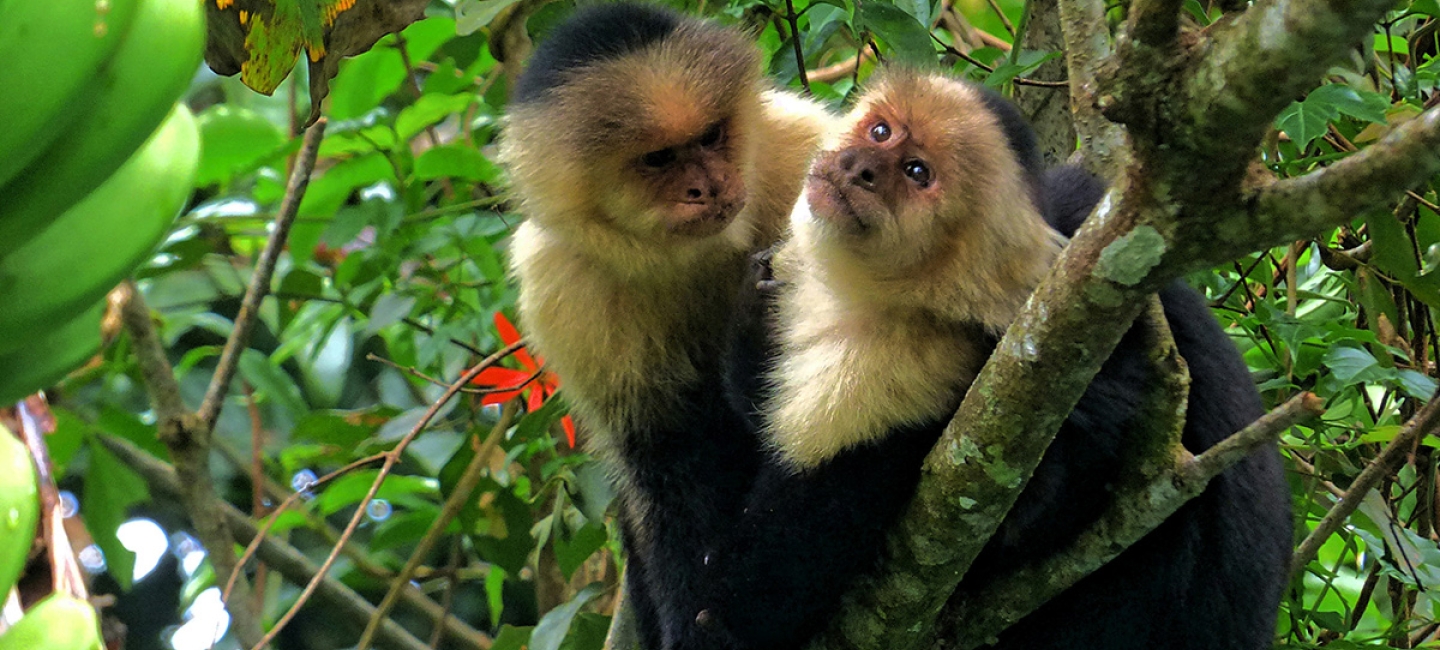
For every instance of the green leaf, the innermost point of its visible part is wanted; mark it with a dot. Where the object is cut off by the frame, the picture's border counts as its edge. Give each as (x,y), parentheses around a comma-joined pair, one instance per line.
(1393,254)
(1028,62)
(235,140)
(425,36)
(495,599)
(551,629)
(571,553)
(506,539)
(512,638)
(326,193)
(1367,106)
(428,110)
(587,632)
(341,428)
(69,434)
(364,81)
(388,309)
(110,489)
(1416,385)
(901,31)
(123,424)
(472,15)
(1427,7)
(300,282)
(347,490)
(271,382)
(1351,365)
(1305,122)
(404,529)
(455,161)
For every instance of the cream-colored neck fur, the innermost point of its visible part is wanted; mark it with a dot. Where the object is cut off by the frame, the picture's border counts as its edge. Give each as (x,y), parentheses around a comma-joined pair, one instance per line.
(627,323)
(862,355)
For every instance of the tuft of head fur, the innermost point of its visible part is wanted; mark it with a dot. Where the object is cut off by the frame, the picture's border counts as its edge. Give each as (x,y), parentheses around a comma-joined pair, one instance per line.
(626,300)
(916,243)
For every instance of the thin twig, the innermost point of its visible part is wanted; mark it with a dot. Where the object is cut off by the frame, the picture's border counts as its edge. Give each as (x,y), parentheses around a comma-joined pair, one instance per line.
(459,497)
(836,71)
(288,503)
(260,279)
(794,20)
(284,558)
(1424,422)
(66,574)
(949,49)
(1009,27)
(391,458)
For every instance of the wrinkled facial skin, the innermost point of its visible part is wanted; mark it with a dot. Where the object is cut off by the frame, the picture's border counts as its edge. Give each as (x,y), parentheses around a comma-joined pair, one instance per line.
(696,187)
(860,186)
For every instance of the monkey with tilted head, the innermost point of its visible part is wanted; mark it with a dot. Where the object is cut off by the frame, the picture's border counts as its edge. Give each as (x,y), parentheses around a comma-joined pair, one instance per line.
(651,159)
(925,224)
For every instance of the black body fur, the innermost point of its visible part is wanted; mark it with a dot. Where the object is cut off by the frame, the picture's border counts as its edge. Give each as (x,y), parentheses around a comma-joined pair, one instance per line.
(1209,578)
(685,473)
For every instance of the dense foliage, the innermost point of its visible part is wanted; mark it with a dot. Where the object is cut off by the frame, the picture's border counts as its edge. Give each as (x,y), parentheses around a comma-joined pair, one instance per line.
(393,283)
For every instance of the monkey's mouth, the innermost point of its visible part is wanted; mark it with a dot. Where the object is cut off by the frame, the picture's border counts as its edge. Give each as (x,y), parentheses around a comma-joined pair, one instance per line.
(703,218)
(835,202)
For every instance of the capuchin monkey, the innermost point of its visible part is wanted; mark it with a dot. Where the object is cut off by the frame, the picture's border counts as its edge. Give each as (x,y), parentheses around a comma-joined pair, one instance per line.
(924,226)
(651,158)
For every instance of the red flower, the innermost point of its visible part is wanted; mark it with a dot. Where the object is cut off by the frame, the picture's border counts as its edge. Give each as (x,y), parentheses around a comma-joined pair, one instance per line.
(532,378)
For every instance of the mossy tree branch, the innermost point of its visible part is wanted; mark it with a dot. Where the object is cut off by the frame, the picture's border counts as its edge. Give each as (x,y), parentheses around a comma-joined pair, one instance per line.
(1195,110)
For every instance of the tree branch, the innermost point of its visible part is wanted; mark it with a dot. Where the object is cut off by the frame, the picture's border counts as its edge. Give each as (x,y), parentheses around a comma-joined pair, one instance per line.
(392,457)
(1047,110)
(178,429)
(1255,65)
(1179,194)
(1087,46)
(458,499)
(1138,509)
(260,281)
(1424,422)
(976,470)
(282,557)
(1287,210)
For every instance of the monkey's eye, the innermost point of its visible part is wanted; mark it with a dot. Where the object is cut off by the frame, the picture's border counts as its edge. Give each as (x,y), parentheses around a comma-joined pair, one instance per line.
(658,159)
(918,171)
(880,132)
(713,137)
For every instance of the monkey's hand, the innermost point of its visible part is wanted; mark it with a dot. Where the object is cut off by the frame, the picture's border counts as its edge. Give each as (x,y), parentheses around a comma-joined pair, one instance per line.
(762,271)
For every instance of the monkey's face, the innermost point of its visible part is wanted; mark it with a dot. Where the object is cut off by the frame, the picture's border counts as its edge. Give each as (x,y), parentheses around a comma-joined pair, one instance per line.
(919,160)
(655,144)
(693,188)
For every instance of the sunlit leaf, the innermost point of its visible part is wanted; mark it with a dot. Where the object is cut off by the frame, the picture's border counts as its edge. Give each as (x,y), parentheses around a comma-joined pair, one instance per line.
(552,628)
(901,31)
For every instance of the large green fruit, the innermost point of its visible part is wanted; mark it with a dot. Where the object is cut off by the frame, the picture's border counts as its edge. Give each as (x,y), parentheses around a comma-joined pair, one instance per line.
(151,68)
(52,51)
(80,256)
(60,622)
(47,358)
(19,507)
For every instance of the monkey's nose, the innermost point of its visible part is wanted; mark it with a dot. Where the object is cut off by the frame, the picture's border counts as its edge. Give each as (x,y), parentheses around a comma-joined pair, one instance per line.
(702,191)
(863,177)
(858,170)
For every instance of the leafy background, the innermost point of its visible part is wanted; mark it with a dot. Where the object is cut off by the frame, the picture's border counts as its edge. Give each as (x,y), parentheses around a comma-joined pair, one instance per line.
(394,281)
